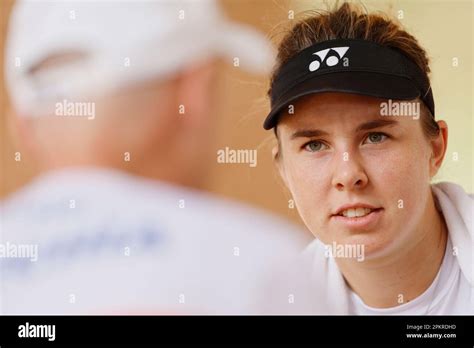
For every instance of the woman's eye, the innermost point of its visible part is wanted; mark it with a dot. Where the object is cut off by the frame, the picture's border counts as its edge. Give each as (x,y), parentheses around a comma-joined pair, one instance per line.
(375,138)
(314,146)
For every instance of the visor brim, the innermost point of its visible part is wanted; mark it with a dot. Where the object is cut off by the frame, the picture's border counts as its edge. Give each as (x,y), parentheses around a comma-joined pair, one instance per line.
(377,85)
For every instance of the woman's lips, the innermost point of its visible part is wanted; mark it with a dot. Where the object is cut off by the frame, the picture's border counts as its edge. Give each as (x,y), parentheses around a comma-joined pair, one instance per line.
(364,222)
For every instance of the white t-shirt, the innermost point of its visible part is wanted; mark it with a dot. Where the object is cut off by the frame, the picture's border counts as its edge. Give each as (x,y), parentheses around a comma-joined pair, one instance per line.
(108,242)
(448,294)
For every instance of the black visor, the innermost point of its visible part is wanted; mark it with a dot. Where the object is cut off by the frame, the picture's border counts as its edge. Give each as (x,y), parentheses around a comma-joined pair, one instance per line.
(348,66)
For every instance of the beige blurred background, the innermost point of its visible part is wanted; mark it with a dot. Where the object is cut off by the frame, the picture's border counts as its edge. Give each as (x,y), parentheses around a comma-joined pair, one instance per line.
(444,28)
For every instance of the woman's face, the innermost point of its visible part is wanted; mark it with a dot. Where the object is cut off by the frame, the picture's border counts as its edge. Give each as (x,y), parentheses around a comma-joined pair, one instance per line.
(356,177)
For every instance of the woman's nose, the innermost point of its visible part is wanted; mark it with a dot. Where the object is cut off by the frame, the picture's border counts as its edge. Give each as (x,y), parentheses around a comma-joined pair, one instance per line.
(348,173)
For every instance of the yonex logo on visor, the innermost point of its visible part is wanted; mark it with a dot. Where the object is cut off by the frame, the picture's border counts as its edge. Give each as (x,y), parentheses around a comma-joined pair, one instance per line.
(348,66)
(333,54)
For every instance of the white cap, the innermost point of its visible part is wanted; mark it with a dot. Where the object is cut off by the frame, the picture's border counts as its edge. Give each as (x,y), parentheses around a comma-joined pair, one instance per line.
(117,43)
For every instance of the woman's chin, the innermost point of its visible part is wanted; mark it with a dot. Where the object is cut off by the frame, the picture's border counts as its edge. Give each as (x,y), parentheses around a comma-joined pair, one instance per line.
(372,245)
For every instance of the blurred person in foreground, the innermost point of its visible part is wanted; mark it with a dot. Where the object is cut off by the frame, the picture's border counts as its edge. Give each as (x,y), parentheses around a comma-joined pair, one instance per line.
(113,100)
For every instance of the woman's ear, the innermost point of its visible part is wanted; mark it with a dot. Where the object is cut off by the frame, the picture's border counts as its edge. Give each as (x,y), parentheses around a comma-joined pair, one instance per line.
(439,146)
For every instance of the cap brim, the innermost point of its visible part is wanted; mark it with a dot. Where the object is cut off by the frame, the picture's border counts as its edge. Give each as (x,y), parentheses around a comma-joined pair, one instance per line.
(371,84)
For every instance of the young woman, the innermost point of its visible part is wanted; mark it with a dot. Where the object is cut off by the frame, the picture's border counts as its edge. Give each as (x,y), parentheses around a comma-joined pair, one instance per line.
(358,144)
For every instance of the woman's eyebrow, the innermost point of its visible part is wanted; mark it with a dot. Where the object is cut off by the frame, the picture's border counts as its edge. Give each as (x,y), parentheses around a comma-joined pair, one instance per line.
(376,124)
(308,133)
